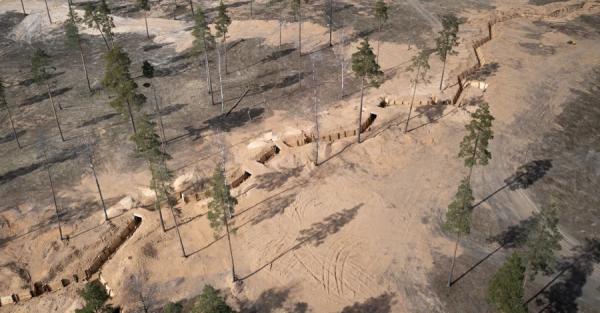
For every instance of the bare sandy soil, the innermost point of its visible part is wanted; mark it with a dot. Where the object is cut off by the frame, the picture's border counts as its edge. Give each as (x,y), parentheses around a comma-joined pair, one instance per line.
(359,233)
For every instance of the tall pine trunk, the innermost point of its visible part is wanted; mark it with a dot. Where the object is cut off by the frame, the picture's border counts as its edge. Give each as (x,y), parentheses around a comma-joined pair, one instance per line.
(251,13)
(23,7)
(443,70)
(102,34)
(378,43)
(331,23)
(54,197)
(208,76)
(12,126)
(55,114)
(146,21)
(412,101)
(192,8)
(343,64)
(177,228)
(48,11)
(157,207)
(299,31)
(360,109)
(98,187)
(220,80)
(226,222)
(87,78)
(453,263)
(131,117)
(317,134)
(225,51)
(160,120)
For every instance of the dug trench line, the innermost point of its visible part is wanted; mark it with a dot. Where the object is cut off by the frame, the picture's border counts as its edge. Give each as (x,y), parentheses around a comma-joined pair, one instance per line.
(91,273)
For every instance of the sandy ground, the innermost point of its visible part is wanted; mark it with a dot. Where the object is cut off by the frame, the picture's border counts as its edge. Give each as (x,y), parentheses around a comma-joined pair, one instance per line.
(361,231)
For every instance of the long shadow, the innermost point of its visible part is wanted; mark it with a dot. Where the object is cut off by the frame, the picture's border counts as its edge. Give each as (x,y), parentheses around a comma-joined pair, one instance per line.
(433,114)
(525,176)
(562,296)
(235,119)
(276,55)
(84,231)
(271,181)
(461,276)
(98,119)
(169,110)
(65,155)
(11,137)
(380,304)
(486,71)
(43,96)
(31,81)
(316,234)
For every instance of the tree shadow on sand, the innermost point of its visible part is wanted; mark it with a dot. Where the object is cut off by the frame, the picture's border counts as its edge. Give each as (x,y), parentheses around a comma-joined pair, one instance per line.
(573,273)
(380,304)
(316,233)
(271,181)
(525,176)
(274,300)
(65,155)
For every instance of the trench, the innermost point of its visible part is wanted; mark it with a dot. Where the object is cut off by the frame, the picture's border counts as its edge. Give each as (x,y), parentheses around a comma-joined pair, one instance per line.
(268,155)
(238,181)
(89,274)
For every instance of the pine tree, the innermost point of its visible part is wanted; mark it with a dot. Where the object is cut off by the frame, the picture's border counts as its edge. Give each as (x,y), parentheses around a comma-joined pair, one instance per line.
(222,26)
(117,78)
(381,14)
(4,105)
(331,23)
(147,142)
(203,41)
(420,63)
(74,39)
(99,16)
(474,146)
(51,183)
(447,40)
(296,7)
(365,66)
(40,69)
(94,294)
(458,217)
(210,301)
(505,290)
(542,243)
(145,6)
(148,72)
(221,208)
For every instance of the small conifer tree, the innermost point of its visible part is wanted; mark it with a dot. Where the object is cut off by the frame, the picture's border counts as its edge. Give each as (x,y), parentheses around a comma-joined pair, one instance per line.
(222,26)
(420,64)
(447,40)
(505,290)
(364,66)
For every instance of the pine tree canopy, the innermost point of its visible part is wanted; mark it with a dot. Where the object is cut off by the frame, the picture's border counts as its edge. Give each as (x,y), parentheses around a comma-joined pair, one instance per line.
(143,4)
(542,243)
(222,201)
(458,216)
(147,69)
(40,65)
(364,64)
(71,30)
(420,63)
(99,14)
(117,78)
(505,290)
(147,142)
(448,37)
(474,146)
(203,39)
(381,11)
(210,301)
(223,20)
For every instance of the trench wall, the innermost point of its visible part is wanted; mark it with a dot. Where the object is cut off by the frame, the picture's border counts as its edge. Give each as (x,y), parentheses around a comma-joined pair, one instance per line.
(89,274)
